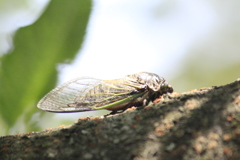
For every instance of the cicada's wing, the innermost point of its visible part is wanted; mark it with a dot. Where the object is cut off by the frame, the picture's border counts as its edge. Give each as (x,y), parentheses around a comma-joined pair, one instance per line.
(110,93)
(58,99)
(84,94)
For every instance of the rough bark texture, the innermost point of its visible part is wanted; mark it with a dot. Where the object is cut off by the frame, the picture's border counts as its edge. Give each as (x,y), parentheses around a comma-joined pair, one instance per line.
(199,124)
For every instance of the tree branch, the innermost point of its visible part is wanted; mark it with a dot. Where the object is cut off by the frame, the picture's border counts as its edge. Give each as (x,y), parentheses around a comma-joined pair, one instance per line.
(199,124)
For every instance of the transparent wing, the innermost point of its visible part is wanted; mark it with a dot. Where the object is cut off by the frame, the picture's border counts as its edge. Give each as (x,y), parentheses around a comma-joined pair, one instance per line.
(84,94)
(67,93)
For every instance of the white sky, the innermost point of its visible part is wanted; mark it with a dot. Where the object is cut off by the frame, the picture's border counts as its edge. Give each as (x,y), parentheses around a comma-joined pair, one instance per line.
(125,37)
(12,17)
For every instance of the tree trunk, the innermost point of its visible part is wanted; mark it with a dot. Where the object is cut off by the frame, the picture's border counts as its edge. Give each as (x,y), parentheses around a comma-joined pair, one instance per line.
(199,124)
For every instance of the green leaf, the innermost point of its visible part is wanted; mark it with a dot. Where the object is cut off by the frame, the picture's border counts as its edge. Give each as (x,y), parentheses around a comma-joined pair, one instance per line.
(29,71)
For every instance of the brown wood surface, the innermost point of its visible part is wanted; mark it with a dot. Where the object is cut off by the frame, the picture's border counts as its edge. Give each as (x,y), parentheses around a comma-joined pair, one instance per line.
(199,124)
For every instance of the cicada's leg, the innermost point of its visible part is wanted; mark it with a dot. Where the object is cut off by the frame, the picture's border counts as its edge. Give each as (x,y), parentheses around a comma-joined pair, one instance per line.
(113,112)
(145,102)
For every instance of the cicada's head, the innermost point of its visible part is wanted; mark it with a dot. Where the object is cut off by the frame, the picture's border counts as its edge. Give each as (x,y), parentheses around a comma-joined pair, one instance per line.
(154,82)
(165,88)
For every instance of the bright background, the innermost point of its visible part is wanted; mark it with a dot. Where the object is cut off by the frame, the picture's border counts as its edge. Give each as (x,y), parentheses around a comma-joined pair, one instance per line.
(192,44)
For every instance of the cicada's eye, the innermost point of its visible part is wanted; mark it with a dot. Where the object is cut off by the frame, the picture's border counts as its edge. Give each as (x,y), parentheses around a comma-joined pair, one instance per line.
(169,88)
(166,88)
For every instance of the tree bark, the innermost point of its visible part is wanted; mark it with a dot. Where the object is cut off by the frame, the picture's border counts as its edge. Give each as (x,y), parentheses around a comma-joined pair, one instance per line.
(199,124)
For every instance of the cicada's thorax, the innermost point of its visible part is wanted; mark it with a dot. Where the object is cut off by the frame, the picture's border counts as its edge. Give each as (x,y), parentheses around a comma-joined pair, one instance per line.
(153,83)
(150,80)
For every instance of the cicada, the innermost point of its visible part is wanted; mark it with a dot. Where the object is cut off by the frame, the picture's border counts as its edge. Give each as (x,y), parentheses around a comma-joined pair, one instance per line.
(86,94)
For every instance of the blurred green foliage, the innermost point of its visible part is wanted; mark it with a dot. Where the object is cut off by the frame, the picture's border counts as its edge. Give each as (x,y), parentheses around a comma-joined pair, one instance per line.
(29,71)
